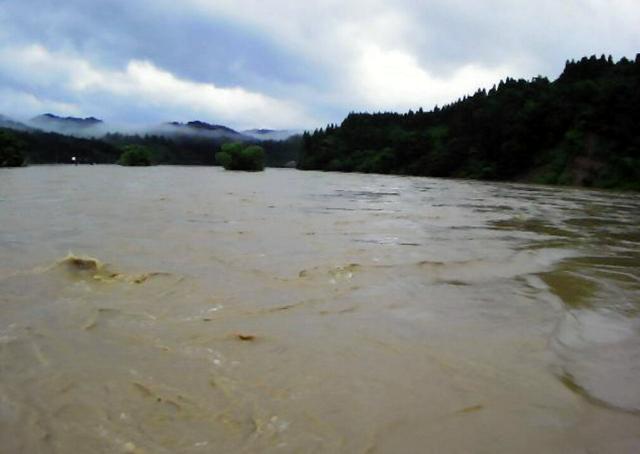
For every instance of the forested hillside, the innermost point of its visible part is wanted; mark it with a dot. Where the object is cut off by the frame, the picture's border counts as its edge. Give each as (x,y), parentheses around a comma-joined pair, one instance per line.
(582,129)
(32,146)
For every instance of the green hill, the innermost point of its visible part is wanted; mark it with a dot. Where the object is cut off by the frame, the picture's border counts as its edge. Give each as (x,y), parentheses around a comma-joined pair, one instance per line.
(581,129)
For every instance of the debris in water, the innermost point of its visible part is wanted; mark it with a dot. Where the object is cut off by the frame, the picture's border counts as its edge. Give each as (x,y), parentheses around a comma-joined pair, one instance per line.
(282,308)
(245,337)
(131,448)
(90,324)
(455,282)
(75,263)
(344,272)
(108,277)
(94,268)
(141,278)
(570,382)
(142,389)
(471,409)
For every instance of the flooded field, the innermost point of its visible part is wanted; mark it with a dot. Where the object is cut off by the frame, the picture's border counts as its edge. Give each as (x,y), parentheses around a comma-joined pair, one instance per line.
(192,310)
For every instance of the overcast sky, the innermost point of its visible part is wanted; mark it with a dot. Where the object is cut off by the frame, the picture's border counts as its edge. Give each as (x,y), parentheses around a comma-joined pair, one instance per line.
(286,63)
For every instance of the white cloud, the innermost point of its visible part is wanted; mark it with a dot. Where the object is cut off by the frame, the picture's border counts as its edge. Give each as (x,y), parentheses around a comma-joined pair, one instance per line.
(386,53)
(394,79)
(369,49)
(23,105)
(143,83)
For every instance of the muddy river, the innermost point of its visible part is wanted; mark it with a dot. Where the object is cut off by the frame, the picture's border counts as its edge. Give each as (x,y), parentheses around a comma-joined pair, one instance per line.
(193,310)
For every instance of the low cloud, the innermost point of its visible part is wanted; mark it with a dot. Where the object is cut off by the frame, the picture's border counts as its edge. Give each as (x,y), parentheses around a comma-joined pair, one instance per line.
(148,87)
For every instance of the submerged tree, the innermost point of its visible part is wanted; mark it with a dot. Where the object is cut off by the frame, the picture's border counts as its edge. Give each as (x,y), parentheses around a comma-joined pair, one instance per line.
(135,155)
(238,156)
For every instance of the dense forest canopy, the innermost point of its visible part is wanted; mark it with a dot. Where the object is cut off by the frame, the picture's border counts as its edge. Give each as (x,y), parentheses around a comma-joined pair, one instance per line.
(38,147)
(581,129)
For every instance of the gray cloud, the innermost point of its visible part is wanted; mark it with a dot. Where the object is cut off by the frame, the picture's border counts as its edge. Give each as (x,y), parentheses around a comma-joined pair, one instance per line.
(277,63)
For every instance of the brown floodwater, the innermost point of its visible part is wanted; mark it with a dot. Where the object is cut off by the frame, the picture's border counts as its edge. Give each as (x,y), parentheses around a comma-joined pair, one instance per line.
(193,310)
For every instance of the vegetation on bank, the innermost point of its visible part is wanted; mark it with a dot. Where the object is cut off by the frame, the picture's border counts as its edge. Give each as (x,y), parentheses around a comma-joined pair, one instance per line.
(11,150)
(38,147)
(581,129)
(239,156)
(136,156)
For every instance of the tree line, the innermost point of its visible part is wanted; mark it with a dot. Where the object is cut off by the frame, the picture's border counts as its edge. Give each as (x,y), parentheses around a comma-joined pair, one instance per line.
(580,129)
(37,147)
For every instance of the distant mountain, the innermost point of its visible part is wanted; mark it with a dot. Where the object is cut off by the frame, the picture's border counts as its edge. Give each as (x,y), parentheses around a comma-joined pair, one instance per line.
(6,122)
(92,127)
(89,126)
(201,125)
(193,143)
(269,134)
(201,129)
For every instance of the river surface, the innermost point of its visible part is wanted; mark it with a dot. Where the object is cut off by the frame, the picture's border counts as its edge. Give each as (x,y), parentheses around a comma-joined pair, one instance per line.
(193,310)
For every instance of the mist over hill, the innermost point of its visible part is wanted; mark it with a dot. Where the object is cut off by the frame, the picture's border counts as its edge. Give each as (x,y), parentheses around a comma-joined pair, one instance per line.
(83,127)
(270,134)
(92,127)
(49,138)
(9,123)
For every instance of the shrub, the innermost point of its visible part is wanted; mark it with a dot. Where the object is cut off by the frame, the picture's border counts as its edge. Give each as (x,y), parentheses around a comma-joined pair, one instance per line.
(135,155)
(237,156)
(224,159)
